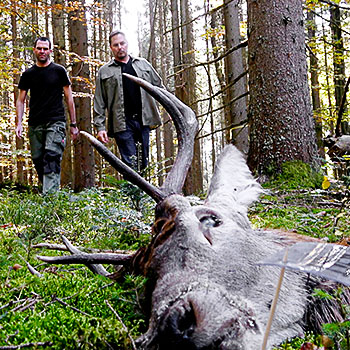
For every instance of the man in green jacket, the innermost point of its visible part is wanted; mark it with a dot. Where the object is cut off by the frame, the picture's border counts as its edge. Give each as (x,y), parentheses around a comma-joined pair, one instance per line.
(131,112)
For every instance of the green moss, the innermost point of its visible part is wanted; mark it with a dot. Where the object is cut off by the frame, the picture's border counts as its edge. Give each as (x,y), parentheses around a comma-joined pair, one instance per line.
(296,175)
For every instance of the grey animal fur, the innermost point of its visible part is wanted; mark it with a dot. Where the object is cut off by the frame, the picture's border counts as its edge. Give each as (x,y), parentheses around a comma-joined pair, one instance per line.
(209,292)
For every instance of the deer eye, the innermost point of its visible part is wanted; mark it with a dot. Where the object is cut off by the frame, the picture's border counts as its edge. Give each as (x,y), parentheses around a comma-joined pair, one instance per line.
(210,221)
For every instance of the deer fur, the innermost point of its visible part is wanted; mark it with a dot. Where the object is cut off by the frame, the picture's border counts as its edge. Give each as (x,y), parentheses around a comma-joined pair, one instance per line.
(204,289)
(209,293)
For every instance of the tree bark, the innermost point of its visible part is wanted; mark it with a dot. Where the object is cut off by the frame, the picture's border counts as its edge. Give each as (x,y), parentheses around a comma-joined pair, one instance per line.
(338,64)
(58,31)
(19,141)
(194,180)
(315,85)
(282,128)
(168,132)
(220,76)
(84,171)
(234,67)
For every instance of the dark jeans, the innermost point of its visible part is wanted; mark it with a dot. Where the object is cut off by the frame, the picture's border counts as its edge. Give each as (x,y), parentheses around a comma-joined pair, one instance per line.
(47,143)
(133,144)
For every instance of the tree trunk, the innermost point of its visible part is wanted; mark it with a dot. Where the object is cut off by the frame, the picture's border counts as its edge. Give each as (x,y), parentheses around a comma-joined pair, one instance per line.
(315,86)
(84,171)
(168,133)
(282,128)
(327,73)
(234,67)
(194,180)
(58,31)
(338,63)
(220,76)
(19,141)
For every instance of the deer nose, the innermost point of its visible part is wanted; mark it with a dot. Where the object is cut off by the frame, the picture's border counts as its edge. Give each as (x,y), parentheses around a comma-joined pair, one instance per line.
(177,328)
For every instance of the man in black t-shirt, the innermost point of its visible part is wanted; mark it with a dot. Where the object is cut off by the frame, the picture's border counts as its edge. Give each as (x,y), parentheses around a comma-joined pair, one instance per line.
(47,82)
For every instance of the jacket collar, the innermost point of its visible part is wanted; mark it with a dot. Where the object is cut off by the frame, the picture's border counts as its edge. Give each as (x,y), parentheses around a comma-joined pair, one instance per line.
(113,63)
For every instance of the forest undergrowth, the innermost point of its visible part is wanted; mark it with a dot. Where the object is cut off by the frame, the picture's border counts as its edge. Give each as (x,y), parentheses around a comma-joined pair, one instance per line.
(68,307)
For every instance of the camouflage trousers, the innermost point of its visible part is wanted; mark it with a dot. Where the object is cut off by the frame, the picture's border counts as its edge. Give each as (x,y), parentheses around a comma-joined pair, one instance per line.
(47,143)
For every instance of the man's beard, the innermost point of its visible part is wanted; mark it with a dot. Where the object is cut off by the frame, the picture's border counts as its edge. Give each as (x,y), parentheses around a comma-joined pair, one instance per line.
(43,59)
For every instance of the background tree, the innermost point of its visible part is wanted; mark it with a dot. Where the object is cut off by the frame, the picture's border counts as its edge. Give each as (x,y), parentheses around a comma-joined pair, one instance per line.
(84,171)
(314,81)
(338,63)
(191,54)
(282,128)
(234,66)
(58,32)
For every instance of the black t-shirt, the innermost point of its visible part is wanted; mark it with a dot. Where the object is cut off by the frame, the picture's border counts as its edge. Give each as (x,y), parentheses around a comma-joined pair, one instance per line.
(46,92)
(132,93)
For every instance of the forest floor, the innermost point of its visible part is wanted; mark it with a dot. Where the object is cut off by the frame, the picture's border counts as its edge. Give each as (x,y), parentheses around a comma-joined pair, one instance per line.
(69,307)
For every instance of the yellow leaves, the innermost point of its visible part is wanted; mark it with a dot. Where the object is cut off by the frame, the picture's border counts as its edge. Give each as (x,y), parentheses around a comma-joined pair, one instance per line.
(325,183)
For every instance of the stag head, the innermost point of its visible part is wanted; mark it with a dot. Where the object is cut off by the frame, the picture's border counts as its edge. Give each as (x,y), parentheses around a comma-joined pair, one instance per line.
(204,287)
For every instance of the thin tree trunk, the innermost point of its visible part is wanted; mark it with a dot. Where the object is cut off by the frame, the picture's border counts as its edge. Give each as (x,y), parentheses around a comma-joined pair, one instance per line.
(84,170)
(58,31)
(339,64)
(329,95)
(315,86)
(220,75)
(153,59)
(19,141)
(194,180)
(168,134)
(234,67)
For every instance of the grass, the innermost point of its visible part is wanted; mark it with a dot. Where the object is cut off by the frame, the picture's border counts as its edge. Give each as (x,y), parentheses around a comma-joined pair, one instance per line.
(71,308)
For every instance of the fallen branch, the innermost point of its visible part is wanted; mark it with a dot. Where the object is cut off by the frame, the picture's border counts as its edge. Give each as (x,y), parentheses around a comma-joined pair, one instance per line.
(27,304)
(28,345)
(122,323)
(70,306)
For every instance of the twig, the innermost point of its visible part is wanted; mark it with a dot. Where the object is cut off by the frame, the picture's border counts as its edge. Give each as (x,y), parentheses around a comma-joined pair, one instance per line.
(31,269)
(122,323)
(11,335)
(11,303)
(103,287)
(274,303)
(28,303)
(10,347)
(72,307)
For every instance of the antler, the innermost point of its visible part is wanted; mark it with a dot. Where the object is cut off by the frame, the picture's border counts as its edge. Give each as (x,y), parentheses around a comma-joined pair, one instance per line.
(186,126)
(125,170)
(92,261)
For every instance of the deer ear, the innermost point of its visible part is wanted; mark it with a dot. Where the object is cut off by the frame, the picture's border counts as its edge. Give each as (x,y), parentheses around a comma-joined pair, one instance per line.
(232,183)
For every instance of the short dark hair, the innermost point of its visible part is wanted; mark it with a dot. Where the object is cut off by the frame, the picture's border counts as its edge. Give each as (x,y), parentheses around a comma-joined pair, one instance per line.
(42,38)
(114,33)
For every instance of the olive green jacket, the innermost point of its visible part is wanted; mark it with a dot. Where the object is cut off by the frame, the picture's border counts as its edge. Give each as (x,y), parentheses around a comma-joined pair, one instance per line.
(109,96)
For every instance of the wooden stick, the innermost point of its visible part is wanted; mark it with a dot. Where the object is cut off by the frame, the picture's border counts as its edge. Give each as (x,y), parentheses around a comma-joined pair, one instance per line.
(123,325)
(274,303)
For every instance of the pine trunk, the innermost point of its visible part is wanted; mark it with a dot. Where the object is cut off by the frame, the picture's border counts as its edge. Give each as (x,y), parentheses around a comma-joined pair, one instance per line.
(234,67)
(84,171)
(282,128)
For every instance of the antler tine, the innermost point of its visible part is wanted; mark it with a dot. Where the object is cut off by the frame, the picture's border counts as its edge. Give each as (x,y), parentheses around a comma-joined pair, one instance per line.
(125,170)
(97,258)
(186,125)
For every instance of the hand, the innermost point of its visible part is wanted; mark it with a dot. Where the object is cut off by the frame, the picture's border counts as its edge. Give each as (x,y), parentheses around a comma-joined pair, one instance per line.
(19,130)
(74,132)
(102,136)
